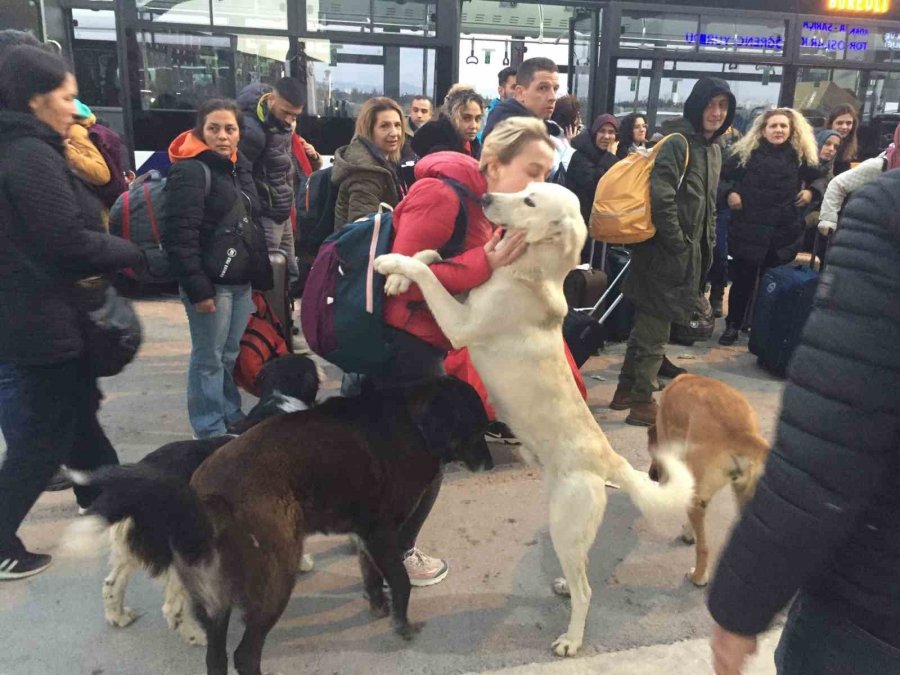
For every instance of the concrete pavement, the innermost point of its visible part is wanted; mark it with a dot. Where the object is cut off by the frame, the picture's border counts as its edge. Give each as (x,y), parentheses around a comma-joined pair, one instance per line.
(494,612)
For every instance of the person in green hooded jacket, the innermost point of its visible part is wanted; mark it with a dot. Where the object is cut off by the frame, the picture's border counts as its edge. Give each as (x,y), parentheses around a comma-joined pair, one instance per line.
(667,272)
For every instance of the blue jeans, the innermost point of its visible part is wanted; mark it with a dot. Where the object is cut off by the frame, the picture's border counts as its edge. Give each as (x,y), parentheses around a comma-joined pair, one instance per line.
(819,640)
(213,398)
(48,415)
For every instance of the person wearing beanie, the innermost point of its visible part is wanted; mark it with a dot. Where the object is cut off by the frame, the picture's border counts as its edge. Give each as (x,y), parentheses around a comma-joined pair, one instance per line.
(595,152)
(668,271)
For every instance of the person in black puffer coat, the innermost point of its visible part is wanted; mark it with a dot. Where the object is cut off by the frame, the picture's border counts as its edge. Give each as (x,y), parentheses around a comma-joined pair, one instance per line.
(270,116)
(767,182)
(51,241)
(456,129)
(825,519)
(217,311)
(595,153)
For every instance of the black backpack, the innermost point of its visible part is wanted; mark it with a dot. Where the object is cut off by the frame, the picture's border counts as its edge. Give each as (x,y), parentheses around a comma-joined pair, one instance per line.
(315,212)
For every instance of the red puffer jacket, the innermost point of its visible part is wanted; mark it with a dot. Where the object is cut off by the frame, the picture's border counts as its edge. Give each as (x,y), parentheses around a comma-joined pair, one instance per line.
(424,220)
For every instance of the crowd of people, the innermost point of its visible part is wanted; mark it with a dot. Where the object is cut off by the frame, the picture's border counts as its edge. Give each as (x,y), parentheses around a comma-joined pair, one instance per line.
(756,198)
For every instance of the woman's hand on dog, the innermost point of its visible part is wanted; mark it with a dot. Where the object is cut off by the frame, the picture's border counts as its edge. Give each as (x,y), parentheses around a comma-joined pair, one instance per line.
(513,248)
(730,650)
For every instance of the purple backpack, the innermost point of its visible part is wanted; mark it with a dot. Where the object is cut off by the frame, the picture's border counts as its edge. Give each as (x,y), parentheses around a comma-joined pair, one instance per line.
(110,146)
(343,300)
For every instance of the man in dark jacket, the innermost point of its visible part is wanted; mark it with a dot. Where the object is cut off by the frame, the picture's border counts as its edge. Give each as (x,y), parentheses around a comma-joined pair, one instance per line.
(537,82)
(825,519)
(668,270)
(270,116)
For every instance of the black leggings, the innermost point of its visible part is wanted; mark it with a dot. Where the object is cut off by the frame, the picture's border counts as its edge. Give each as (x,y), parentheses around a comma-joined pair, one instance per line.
(742,287)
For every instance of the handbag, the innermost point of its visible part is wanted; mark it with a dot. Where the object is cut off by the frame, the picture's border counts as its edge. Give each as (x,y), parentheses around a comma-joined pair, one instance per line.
(111,329)
(228,256)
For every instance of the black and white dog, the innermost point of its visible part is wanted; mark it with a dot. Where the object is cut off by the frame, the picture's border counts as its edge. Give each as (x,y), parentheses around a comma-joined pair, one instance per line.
(288,384)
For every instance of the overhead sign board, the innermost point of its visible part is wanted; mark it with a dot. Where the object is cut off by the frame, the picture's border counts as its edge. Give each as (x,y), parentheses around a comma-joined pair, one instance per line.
(870,7)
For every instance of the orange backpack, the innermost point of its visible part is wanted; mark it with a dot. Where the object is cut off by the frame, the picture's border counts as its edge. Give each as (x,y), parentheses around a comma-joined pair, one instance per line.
(621,212)
(262,341)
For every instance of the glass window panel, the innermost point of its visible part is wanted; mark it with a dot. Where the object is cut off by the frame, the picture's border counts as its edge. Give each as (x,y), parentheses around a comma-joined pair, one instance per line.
(658,30)
(251,13)
(181,70)
(632,86)
(259,59)
(876,94)
(416,74)
(494,34)
(744,37)
(340,77)
(405,17)
(174,11)
(95,57)
(838,40)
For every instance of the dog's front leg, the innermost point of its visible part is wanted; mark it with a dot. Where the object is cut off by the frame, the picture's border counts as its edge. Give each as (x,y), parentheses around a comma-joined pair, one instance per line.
(383,548)
(452,316)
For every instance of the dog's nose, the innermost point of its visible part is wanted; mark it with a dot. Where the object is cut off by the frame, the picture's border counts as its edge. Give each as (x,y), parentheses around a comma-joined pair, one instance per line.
(486,200)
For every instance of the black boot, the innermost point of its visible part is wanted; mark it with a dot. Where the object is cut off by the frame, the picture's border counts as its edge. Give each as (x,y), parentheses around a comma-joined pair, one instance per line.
(730,336)
(670,370)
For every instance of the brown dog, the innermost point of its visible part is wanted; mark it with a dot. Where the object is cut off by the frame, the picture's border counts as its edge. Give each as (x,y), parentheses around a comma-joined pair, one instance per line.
(351,465)
(719,433)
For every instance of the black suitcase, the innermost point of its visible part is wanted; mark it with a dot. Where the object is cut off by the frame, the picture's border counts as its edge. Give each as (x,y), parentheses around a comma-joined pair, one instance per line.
(278,297)
(586,330)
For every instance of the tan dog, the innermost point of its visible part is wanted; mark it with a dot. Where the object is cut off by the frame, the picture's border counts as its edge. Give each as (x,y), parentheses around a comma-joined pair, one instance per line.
(719,432)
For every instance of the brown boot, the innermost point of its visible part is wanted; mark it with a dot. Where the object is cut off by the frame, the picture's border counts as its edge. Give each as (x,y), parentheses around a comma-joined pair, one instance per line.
(643,413)
(621,399)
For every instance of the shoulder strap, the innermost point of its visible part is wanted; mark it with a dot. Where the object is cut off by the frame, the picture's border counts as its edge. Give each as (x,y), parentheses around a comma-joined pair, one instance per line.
(207,179)
(454,245)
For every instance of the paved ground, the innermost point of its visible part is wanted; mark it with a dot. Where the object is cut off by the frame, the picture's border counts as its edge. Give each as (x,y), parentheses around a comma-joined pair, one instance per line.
(494,612)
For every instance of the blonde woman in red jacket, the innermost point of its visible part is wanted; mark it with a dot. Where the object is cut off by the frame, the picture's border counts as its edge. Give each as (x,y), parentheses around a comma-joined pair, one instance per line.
(517,152)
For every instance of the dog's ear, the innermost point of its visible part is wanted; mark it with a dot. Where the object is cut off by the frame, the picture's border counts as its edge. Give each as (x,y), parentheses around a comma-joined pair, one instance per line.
(453,422)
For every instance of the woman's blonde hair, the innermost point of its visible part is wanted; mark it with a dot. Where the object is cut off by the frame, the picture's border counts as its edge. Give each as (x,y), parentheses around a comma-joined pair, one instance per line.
(368,114)
(802,137)
(508,138)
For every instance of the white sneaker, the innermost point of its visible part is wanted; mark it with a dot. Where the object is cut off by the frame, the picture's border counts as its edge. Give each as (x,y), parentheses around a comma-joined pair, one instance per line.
(423,570)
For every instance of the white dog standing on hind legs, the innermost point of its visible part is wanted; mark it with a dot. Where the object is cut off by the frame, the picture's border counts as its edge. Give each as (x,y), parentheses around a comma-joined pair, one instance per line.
(515,318)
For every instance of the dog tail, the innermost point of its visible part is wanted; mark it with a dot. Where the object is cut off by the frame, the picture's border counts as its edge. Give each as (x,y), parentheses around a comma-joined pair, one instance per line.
(166,517)
(658,501)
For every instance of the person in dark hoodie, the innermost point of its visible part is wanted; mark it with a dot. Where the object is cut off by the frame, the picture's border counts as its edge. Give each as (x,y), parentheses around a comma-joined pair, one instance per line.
(52,247)
(456,129)
(270,117)
(217,311)
(595,153)
(668,271)
(537,82)
(770,173)
(824,525)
